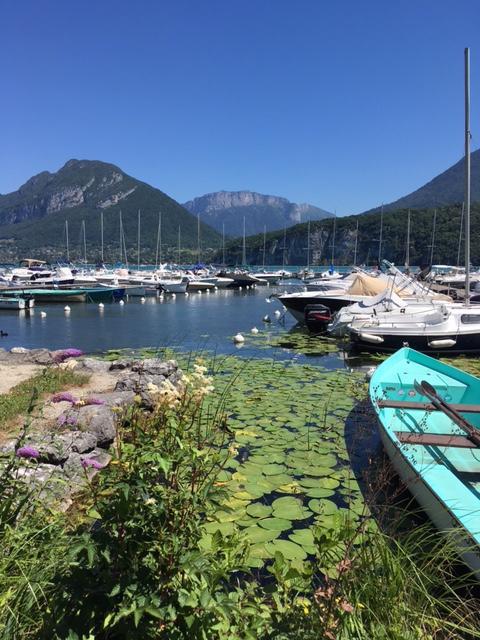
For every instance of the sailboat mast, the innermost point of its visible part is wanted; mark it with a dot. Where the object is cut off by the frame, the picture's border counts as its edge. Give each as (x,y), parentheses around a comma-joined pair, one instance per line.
(467,176)
(138,241)
(121,235)
(223,243)
(84,242)
(244,247)
(333,237)
(198,239)
(355,250)
(264,243)
(308,246)
(101,234)
(66,236)
(159,233)
(284,246)
(461,234)
(179,232)
(381,237)
(433,236)
(407,250)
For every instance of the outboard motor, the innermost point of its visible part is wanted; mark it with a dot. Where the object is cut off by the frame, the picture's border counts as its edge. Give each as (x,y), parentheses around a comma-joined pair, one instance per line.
(317,317)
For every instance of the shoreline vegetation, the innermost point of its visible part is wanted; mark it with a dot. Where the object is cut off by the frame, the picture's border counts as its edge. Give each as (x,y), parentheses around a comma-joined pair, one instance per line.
(227,508)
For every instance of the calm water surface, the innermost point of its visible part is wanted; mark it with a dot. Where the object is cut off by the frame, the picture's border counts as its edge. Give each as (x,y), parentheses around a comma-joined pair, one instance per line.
(199,321)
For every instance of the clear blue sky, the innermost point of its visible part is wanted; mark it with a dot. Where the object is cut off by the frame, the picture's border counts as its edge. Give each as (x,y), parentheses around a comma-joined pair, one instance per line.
(342,104)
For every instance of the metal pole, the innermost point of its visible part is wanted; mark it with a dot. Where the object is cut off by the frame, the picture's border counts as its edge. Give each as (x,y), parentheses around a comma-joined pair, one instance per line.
(244,248)
(308,246)
(179,244)
(284,246)
(333,238)
(84,242)
(101,233)
(355,250)
(381,237)
(223,243)
(467,176)
(407,250)
(138,241)
(264,243)
(159,233)
(433,236)
(121,235)
(66,233)
(198,238)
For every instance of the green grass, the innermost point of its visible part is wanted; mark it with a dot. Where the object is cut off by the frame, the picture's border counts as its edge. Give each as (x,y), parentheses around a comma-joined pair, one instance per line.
(19,399)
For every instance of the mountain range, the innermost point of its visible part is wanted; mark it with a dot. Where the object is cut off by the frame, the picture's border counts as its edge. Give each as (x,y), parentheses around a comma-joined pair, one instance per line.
(32,219)
(227,210)
(446,188)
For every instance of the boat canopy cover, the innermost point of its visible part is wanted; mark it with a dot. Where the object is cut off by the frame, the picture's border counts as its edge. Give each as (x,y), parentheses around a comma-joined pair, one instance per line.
(364,285)
(387,299)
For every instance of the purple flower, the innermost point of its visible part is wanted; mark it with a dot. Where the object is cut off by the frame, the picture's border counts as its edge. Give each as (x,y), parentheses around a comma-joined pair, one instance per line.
(64,396)
(94,401)
(91,462)
(60,356)
(27,452)
(66,420)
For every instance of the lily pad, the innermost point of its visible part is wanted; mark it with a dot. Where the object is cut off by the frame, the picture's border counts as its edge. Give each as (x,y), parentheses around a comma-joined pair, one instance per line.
(257,534)
(288,549)
(324,507)
(225,528)
(258,510)
(275,524)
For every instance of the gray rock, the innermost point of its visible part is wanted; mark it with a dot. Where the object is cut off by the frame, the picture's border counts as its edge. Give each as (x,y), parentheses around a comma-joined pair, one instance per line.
(117,398)
(155,367)
(120,365)
(78,441)
(39,356)
(99,420)
(17,350)
(51,446)
(128,382)
(97,366)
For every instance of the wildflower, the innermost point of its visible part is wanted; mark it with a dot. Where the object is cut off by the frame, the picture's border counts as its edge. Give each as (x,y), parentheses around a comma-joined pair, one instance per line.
(149,501)
(91,462)
(346,606)
(93,401)
(344,565)
(64,396)
(67,420)
(64,354)
(232,450)
(152,388)
(27,452)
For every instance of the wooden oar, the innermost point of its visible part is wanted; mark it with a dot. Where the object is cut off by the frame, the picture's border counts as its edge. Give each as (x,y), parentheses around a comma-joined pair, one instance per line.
(427,390)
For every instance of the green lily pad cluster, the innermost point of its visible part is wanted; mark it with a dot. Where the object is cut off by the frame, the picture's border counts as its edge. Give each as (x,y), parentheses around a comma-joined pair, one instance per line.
(289,471)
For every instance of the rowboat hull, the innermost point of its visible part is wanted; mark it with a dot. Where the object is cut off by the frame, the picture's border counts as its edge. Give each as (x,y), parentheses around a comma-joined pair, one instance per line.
(441,476)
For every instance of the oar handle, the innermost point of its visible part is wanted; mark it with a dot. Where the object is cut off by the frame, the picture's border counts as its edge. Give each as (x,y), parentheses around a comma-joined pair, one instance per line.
(449,411)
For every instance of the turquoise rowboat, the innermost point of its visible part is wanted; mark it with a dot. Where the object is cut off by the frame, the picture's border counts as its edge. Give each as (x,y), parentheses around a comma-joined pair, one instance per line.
(438,460)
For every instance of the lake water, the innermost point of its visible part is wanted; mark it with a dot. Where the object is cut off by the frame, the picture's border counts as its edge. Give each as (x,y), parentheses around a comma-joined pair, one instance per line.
(194,322)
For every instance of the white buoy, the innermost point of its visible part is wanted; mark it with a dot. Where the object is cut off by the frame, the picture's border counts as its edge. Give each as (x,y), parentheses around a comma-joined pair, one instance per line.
(254,330)
(186,294)
(239,288)
(174,295)
(43,314)
(268,300)
(121,303)
(277,313)
(238,339)
(215,288)
(142,299)
(100,305)
(200,291)
(208,290)
(267,319)
(67,309)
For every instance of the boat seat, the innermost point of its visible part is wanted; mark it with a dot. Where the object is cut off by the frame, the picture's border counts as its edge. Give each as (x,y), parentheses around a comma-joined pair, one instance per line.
(435,439)
(425,406)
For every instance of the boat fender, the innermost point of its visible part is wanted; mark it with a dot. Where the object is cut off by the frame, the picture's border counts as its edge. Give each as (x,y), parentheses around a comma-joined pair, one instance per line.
(369,337)
(442,344)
